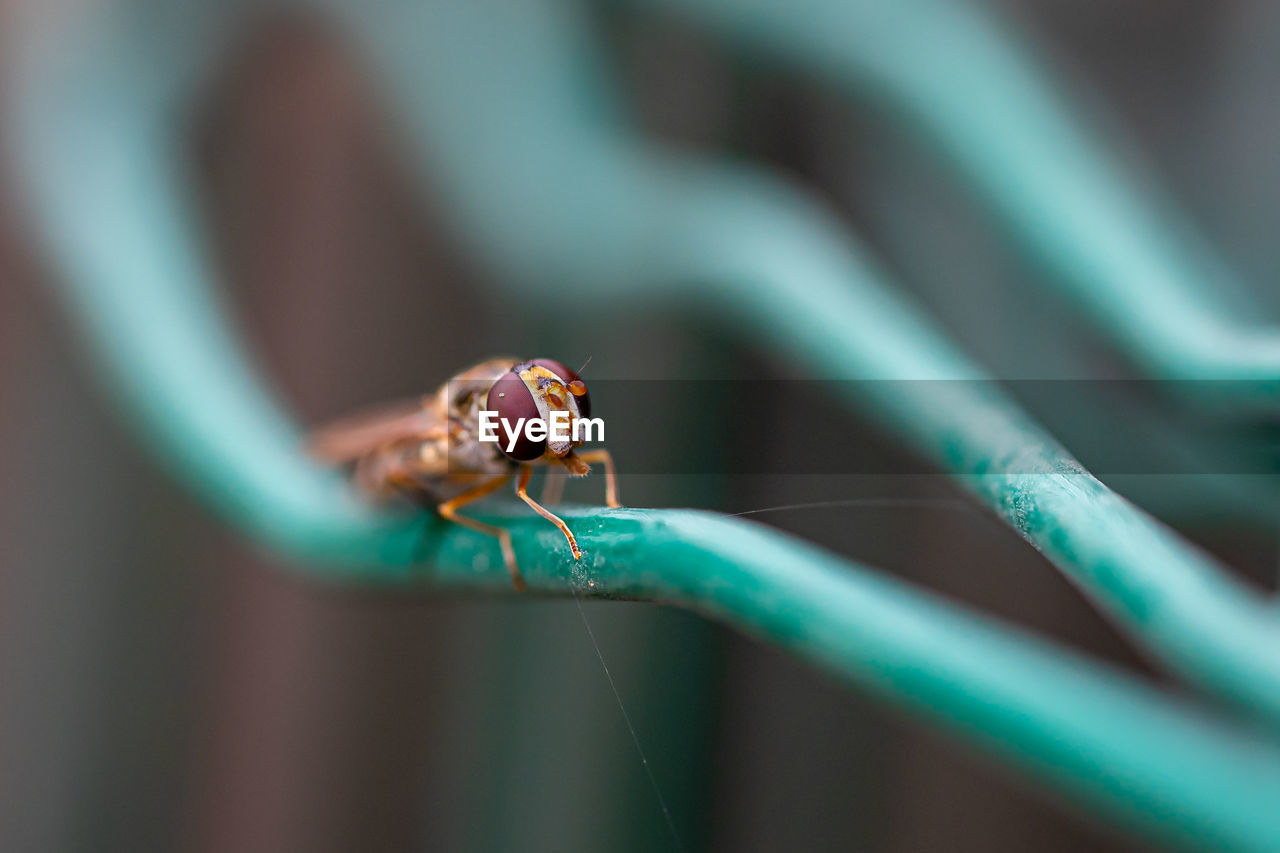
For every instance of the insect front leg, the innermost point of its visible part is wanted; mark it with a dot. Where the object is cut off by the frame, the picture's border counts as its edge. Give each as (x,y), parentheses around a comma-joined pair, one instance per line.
(449,509)
(522,484)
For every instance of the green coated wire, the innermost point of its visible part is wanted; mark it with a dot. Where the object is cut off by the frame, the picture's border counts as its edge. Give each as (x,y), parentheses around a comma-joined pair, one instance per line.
(810,296)
(960,78)
(108,199)
(1069,721)
(564,204)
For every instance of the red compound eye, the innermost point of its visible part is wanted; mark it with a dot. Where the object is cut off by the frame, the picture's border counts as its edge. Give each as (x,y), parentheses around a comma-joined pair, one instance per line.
(569,377)
(510,398)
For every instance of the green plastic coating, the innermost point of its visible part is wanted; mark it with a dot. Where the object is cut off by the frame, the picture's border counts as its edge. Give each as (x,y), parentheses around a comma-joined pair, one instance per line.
(562,203)
(1105,234)
(104,181)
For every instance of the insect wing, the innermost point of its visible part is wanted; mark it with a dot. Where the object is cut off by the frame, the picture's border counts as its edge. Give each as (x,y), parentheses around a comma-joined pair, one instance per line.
(351,438)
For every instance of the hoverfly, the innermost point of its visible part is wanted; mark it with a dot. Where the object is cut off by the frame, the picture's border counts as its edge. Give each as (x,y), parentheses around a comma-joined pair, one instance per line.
(429,451)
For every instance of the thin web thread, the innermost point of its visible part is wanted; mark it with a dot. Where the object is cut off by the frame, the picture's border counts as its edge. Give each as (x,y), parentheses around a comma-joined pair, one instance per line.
(935,503)
(626,718)
(644,761)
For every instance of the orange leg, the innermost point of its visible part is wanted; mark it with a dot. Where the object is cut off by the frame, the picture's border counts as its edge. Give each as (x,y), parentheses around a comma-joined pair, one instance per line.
(449,509)
(610,475)
(521,485)
(553,485)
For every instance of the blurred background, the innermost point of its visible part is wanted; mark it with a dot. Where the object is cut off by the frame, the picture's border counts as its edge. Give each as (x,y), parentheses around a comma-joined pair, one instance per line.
(166,685)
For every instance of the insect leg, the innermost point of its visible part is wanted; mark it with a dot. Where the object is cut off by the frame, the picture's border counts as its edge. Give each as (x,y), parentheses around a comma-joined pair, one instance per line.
(553,486)
(610,475)
(521,485)
(449,509)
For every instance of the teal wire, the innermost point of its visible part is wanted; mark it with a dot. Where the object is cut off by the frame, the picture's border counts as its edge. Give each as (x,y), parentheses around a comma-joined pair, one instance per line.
(1105,234)
(108,197)
(563,203)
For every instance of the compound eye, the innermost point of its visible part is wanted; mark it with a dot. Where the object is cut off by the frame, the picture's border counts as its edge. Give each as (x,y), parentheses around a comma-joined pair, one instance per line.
(510,399)
(569,377)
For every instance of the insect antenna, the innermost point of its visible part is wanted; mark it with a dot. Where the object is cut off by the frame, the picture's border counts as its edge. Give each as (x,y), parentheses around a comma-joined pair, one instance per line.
(584,364)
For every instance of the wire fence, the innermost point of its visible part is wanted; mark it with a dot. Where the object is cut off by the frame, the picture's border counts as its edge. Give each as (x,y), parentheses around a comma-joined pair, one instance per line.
(560,199)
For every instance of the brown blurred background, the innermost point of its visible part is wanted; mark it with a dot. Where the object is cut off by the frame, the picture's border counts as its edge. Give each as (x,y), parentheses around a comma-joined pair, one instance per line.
(165,686)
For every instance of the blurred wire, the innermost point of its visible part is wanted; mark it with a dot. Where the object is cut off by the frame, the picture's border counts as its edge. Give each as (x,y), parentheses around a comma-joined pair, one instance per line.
(959,77)
(562,202)
(570,205)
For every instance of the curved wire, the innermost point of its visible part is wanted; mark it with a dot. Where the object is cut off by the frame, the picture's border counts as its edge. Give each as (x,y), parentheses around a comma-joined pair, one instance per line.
(560,200)
(105,186)
(961,79)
